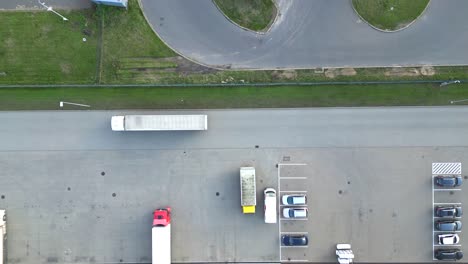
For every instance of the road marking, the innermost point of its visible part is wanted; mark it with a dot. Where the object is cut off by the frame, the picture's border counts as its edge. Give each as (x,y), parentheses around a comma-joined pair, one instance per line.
(300,233)
(293,178)
(446,190)
(292,164)
(433,213)
(437,231)
(293,191)
(448,203)
(278,209)
(294,246)
(447,168)
(447,245)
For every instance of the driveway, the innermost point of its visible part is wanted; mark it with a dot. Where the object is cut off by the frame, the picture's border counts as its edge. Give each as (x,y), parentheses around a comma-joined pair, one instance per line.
(310,33)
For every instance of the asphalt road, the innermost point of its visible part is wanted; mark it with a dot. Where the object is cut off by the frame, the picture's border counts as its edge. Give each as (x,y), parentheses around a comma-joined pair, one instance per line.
(310,33)
(76,192)
(288,128)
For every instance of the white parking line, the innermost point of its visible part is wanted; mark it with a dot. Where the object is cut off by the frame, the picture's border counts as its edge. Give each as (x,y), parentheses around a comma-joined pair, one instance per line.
(294,246)
(447,245)
(293,192)
(433,213)
(292,164)
(278,209)
(437,231)
(448,203)
(294,205)
(300,233)
(293,178)
(446,190)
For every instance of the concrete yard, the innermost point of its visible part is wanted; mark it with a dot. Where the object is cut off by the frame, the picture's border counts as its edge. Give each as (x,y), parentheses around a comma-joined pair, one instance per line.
(76,192)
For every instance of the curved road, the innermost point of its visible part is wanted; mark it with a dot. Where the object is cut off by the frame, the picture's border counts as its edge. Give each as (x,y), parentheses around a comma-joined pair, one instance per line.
(311,33)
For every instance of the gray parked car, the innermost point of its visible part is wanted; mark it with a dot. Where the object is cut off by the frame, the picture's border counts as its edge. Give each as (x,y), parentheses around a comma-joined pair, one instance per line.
(449,225)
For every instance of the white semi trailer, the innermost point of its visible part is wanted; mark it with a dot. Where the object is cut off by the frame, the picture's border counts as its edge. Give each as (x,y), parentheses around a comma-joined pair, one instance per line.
(159,122)
(4,236)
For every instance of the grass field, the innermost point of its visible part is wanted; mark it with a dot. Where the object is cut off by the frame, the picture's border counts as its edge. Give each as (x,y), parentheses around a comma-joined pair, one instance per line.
(390,14)
(45,49)
(131,50)
(230,97)
(256,15)
(39,47)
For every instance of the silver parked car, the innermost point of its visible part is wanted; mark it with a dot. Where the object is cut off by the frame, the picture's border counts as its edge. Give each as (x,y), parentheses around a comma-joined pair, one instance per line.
(295,212)
(294,199)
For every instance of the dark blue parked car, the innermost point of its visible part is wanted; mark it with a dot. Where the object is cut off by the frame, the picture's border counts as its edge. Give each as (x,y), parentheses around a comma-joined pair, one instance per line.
(449,211)
(448,181)
(449,254)
(294,240)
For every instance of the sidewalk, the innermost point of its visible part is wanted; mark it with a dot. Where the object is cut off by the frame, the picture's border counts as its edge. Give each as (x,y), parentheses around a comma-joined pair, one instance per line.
(34,5)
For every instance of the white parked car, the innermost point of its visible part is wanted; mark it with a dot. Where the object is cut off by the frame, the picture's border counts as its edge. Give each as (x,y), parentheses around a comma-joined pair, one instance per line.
(294,199)
(448,239)
(295,212)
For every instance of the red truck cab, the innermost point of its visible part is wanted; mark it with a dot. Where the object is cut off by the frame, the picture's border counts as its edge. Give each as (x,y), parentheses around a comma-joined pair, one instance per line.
(162,217)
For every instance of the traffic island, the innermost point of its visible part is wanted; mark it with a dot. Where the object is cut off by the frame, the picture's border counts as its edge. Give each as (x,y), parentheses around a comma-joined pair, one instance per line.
(390,15)
(255,15)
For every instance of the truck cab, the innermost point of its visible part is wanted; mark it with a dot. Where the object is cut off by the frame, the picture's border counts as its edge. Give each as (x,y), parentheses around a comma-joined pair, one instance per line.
(162,217)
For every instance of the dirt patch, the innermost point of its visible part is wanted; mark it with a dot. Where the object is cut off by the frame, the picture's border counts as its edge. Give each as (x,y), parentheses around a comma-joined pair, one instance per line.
(185,66)
(399,71)
(332,73)
(428,71)
(65,67)
(284,75)
(46,29)
(9,43)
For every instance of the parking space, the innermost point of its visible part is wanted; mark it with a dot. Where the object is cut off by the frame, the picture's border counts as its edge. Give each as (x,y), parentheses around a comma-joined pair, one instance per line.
(292,180)
(445,198)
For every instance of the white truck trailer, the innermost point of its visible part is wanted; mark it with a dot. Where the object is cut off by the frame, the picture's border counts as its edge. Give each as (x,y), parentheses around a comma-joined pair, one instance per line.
(161,236)
(159,122)
(248,190)
(4,236)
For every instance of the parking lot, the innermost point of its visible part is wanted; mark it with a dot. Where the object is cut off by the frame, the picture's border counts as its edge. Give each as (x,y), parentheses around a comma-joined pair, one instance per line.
(377,199)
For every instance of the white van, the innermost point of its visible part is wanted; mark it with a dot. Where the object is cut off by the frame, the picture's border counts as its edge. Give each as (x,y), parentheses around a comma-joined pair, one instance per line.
(270,205)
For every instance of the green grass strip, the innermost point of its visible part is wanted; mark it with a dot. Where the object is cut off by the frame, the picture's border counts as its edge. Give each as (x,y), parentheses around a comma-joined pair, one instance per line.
(232,97)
